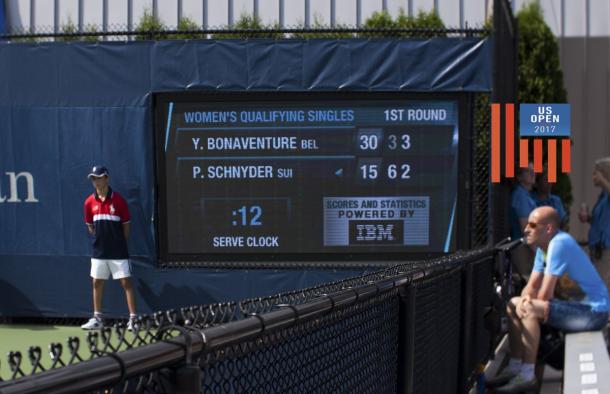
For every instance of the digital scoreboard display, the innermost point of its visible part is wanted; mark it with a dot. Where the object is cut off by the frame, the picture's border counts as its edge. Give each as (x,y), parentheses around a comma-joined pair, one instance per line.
(298,175)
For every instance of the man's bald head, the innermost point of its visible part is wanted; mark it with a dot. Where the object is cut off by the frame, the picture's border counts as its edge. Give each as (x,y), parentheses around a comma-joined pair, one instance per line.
(542,226)
(547,215)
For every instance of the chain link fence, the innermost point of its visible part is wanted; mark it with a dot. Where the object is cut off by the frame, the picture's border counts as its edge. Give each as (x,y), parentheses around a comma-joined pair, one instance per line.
(481,209)
(414,326)
(94,33)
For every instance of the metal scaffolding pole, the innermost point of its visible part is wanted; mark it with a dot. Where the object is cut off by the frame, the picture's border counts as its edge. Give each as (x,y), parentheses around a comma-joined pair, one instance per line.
(130,17)
(32,16)
(81,15)
(231,17)
(204,14)
(56,16)
(461,14)
(179,13)
(105,18)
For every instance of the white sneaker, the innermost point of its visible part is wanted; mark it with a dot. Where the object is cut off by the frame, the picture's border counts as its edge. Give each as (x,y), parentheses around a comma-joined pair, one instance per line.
(93,324)
(132,325)
(518,385)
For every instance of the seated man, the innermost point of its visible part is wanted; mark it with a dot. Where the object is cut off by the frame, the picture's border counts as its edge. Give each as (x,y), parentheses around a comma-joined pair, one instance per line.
(556,253)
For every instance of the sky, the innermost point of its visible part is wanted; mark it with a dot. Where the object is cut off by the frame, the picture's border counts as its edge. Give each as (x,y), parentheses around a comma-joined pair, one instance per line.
(18,12)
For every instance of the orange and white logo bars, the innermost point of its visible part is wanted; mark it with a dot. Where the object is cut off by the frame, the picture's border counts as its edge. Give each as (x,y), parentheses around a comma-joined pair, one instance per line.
(539,122)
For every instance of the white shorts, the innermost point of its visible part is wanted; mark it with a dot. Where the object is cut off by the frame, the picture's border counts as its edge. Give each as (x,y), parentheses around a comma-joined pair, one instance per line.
(102,268)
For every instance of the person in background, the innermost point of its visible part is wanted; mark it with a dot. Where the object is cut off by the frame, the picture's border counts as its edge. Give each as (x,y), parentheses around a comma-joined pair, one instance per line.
(557,253)
(107,218)
(599,233)
(521,205)
(542,196)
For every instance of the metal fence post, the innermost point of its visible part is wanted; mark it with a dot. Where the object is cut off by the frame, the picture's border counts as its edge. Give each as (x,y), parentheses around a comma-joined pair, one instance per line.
(204,14)
(81,16)
(56,25)
(406,339)
(130,16)
(467,332)
(105,18)
(179,14)
(32,16)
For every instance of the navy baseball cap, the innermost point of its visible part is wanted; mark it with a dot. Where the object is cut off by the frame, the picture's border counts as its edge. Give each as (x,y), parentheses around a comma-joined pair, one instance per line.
(98,172)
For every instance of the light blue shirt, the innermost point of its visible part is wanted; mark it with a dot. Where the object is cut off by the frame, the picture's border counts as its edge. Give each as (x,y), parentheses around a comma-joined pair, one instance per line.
(600,222)
(521,205)
(553,201)
(565,256)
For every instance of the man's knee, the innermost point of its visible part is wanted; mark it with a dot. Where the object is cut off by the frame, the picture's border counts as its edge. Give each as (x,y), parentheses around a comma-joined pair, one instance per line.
(98,283)
(126,283)
(537,309)
(512,305)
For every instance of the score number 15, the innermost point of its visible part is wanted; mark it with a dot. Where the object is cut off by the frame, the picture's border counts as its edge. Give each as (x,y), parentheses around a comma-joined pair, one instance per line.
(393,171)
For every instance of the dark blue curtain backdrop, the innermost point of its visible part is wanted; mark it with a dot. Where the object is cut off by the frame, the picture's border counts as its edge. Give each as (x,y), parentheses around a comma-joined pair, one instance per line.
(66,106)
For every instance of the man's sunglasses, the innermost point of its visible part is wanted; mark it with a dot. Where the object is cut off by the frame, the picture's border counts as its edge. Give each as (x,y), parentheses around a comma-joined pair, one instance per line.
(534,224)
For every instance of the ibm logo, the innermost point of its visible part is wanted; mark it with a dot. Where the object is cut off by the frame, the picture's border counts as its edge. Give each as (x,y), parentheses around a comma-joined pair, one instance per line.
(374,232)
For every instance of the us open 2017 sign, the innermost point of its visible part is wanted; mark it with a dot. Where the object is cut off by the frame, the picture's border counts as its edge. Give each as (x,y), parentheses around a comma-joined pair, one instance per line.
(538,122)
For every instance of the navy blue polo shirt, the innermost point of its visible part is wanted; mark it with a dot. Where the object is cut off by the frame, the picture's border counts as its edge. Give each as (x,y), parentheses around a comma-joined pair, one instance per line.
(107,218)
(599,233)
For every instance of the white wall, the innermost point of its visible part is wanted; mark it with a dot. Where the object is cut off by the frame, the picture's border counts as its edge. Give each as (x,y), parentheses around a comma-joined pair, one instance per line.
(474,12)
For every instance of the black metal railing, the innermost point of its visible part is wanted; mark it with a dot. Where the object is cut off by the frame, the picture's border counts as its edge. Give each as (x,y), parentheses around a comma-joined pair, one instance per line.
(416,327)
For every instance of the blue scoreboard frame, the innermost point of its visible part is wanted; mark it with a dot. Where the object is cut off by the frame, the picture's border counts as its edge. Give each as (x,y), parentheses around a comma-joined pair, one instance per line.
(339,179)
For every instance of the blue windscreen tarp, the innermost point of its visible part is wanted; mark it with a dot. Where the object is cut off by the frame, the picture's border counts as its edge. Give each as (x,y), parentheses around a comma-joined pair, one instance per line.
(66,106)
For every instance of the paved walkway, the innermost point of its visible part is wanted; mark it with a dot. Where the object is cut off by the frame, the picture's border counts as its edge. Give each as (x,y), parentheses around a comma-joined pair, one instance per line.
(551,381)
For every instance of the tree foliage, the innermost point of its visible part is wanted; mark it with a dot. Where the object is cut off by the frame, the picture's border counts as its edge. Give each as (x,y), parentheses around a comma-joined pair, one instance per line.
(427,22)
(150,27)
(250,22)
(186,24)
(249,26)
(318,23)
(540,75)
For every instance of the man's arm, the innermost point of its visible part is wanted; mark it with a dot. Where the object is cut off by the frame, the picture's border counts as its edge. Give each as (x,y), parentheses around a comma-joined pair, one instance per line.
(548,287)
(90,228)
(529,293)
(532,288)
(126,228)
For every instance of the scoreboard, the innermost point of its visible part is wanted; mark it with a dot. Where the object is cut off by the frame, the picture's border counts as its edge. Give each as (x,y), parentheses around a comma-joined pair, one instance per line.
(294,176)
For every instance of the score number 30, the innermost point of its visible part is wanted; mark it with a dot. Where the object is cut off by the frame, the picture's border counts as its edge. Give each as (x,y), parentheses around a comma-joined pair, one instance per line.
(371,141)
